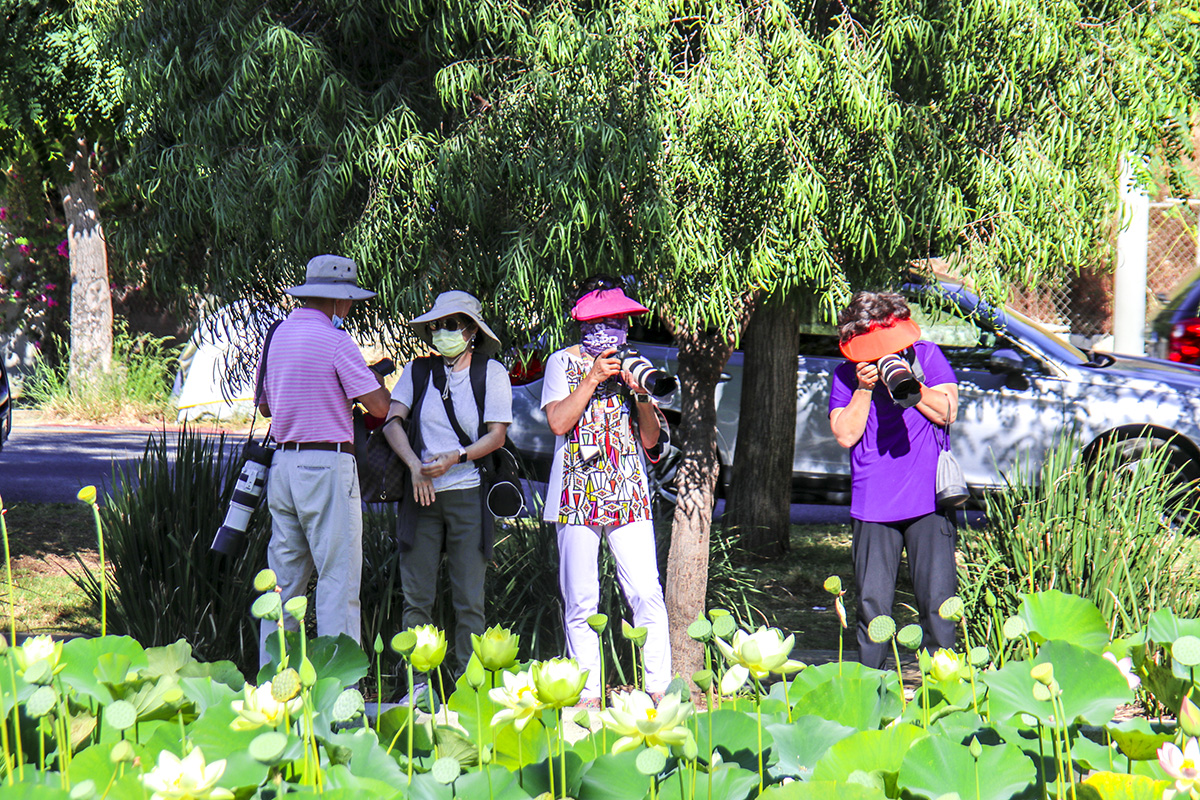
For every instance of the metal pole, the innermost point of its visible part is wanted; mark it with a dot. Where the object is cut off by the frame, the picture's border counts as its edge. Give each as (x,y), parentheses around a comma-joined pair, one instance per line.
(1129,284)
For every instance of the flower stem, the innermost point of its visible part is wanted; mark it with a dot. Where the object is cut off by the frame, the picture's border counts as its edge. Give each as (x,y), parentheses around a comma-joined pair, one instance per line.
(411,710)
(103,572)
(758,708)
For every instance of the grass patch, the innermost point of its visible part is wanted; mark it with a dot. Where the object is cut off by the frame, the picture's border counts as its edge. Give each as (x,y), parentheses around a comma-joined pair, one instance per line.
(138,387)
(44,539)
(796,600)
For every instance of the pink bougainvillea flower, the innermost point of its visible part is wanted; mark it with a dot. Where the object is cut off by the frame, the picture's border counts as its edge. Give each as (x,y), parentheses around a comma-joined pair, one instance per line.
(1182,765)
(3,212)
(50,287)
(51,302)
(24,248)
(63,249)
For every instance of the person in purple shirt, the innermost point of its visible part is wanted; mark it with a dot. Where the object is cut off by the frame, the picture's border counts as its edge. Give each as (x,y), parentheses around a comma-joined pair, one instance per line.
(893,466)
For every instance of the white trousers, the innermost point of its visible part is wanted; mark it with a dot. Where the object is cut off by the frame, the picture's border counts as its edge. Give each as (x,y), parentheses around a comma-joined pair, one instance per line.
(632,546)
(316,521)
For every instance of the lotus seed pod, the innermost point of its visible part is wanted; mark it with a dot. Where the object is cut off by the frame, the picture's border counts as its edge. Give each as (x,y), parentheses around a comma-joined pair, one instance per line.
(1043,673)
(1041,693)
(87,495)
(703,679)
(268,747)
(84,790)
(1015,628)
(881,629)
(1186,651)
(308,674)
(268,606)
(297,607)
(989,598)
(475,673)
(285,685)
(724,626)
(638,636)
(583,718)
(265,580)
(446,770)
(700,630)
(713,613)
(910,636)
(833,585)
(122,752)
(651,761)
(951,608)
(348,705)
(979,655)
(120,715)
(40,702)
(404,642)
(598,622)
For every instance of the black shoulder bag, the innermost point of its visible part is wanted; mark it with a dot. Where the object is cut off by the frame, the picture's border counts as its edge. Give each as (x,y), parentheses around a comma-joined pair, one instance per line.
(383,476)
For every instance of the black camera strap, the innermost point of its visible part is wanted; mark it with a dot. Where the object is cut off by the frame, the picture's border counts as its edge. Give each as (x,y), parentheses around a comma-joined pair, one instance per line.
(478,376)
(260,384)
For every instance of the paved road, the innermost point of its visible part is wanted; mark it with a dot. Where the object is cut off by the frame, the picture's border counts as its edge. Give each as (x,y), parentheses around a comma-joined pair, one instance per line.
(49,463)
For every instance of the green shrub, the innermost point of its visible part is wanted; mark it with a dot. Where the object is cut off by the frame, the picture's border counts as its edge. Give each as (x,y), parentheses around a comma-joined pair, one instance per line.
(1109,528)
(165,581)
(138,386)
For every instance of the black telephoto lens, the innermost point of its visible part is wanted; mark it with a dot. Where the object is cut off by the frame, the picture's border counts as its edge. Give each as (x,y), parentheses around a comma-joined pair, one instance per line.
(898,377)
(247,494)
(649,377)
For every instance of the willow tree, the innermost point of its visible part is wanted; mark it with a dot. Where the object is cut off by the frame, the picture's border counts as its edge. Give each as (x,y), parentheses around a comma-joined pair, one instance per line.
(715,152)
(60,98)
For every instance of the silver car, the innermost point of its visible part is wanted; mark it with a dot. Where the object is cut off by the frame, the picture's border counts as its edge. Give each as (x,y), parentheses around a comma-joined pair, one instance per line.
(1020,387)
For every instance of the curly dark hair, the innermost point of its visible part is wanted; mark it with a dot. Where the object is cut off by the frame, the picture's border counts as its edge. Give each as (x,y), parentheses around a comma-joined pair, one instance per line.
(600,280)
(880,308)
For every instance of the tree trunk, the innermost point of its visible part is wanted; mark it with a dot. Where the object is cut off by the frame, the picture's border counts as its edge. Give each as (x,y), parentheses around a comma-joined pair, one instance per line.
(759,503)
(701,358)
(91,300)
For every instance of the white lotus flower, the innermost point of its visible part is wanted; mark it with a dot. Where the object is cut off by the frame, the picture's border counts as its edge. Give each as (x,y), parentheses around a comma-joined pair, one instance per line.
(945,665)
(258,707)
(758,654)
(1182,765)
(38,648)
(1126,667)
(635,718)
(519,698)
(186,779)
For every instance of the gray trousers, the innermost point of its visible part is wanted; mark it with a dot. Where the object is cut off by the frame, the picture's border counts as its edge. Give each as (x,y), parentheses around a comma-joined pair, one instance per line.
(452,524)
(930,542)
(316,522)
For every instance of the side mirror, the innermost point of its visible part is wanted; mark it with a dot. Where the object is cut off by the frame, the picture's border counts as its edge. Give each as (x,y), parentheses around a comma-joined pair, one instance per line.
(1006,362)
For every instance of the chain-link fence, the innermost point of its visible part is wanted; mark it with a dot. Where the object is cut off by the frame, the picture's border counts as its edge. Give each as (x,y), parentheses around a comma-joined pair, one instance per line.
(1083,305)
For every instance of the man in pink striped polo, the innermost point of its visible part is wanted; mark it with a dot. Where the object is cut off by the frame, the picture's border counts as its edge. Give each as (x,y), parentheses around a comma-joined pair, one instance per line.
(311,372)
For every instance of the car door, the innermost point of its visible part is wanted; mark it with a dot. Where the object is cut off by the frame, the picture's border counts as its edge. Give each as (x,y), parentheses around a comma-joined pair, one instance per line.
(1004,418)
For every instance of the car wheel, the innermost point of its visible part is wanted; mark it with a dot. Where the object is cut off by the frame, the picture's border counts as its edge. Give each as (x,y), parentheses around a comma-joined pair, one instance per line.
(1180,461)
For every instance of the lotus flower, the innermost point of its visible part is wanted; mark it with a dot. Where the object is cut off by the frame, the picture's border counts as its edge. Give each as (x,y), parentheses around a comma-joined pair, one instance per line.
(1189,717)
(635,718)
(259,707)
(1126,667)
(519,698)
(558,682)
(1182,765)
(758,654)
(496,648)
(945,665)
(38,648)
(430,649)
(186,779)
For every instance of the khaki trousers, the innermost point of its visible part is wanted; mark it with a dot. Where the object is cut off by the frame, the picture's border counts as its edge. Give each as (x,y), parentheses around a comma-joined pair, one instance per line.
(316,522)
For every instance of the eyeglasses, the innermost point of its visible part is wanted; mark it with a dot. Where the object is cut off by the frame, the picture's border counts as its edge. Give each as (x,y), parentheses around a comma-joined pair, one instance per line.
(447,324)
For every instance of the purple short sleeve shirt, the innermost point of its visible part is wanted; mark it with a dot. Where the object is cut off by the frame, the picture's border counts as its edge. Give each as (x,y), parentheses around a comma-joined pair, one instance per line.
(313,370)
(893,467)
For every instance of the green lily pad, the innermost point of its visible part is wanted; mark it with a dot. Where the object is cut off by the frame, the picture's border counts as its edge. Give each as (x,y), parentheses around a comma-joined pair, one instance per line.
(1055,615)
(880,751)
(1091,688)
(936,766)
(1138,739)
(1115,786)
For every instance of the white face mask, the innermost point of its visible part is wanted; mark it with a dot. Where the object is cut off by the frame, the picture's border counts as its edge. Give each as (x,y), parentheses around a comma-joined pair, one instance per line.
(450,344)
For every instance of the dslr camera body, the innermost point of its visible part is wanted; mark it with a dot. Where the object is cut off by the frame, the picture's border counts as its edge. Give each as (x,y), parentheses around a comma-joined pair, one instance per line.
(649,377)
(901,382)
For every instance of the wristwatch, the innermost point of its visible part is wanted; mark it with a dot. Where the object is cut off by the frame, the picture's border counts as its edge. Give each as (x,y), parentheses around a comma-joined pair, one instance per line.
(641,398)
(462,455)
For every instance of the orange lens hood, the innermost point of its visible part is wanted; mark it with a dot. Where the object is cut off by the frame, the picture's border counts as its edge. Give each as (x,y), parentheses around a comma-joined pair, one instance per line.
(878,342)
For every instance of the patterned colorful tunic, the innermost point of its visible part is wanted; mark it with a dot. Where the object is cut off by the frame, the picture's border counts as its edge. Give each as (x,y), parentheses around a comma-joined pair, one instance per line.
(603,477)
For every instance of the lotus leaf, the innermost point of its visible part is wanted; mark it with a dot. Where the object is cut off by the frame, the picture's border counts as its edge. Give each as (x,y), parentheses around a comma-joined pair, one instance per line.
(1056,615)
(1091,688)
(936,766)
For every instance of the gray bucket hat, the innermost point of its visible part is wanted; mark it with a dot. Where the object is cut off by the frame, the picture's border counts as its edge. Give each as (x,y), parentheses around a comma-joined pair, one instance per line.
(448,304)
(331,276)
